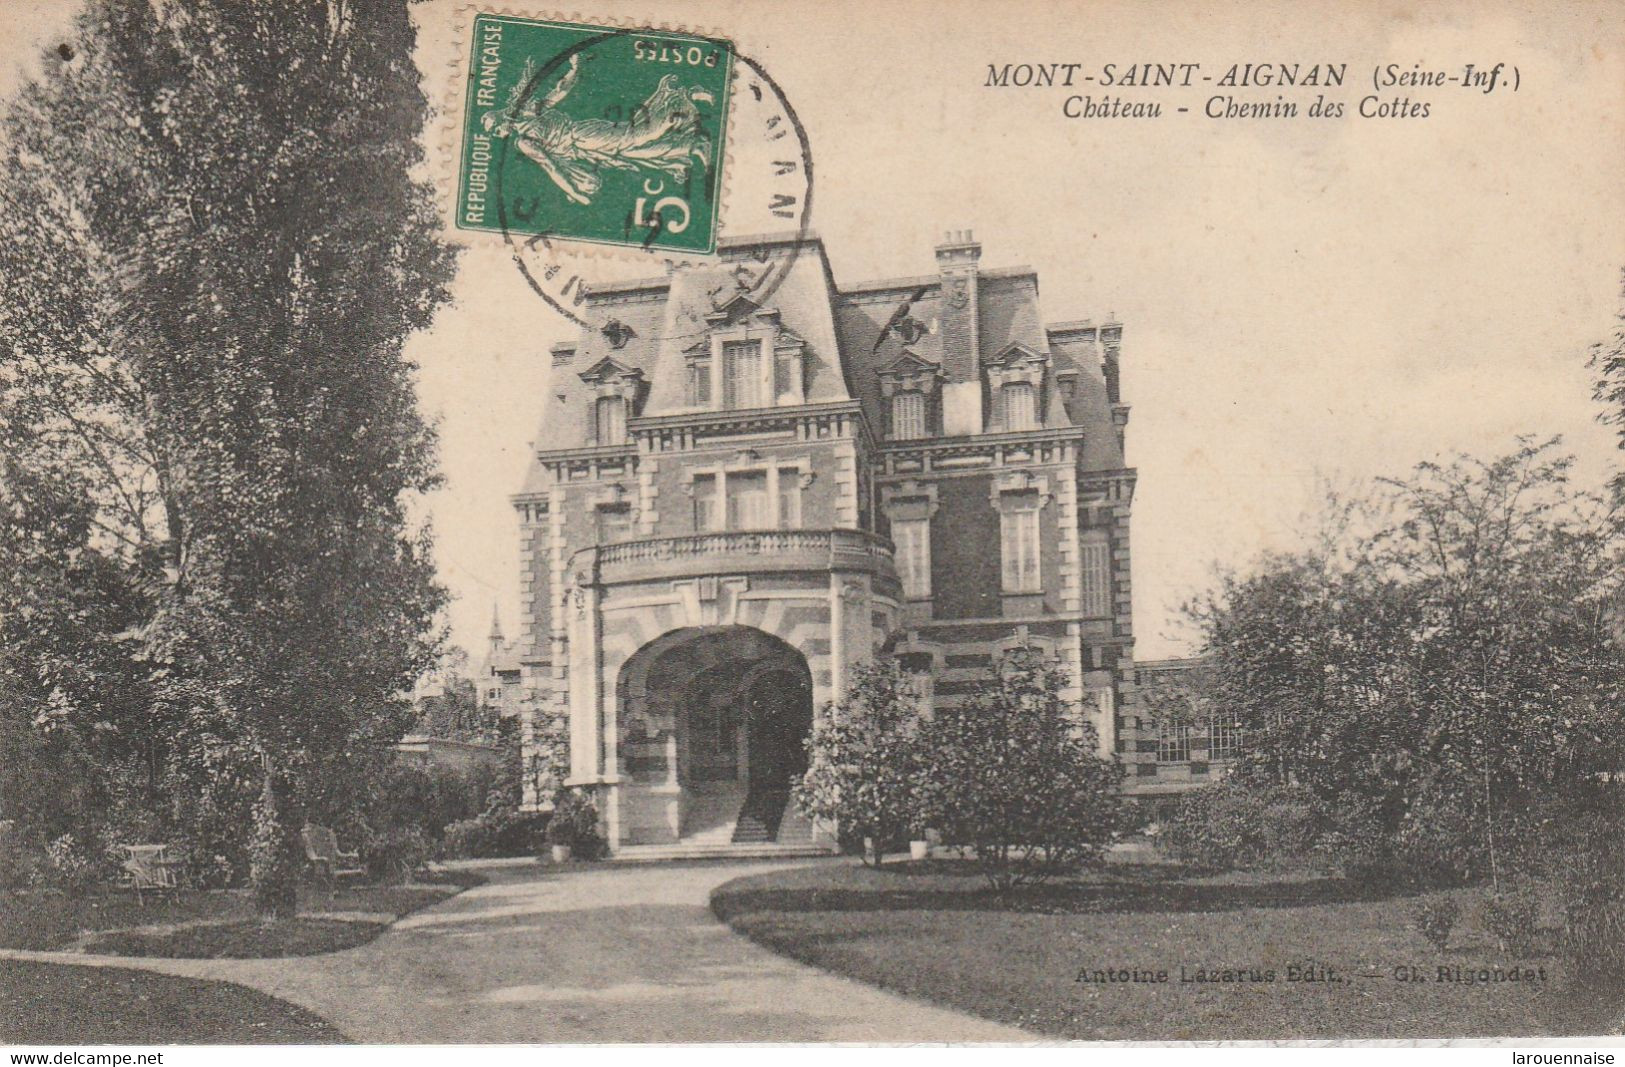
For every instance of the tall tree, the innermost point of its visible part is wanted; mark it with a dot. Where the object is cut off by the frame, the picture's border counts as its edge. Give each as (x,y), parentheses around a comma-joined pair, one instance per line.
(1460,655)
(1608,360)
(217,246)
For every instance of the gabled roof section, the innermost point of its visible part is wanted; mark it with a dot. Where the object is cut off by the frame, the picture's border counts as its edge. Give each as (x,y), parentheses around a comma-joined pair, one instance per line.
(739,306)
(609,369)
(1017,352)
(910,362)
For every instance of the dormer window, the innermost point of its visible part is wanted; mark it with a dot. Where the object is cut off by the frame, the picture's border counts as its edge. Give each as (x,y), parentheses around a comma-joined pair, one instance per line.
(750,360)
(742,374)
(909,387)
(615,392)
(1020,406)
(908,415)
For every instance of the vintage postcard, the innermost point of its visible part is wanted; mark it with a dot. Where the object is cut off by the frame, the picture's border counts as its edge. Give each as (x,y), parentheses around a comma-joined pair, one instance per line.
(860,522)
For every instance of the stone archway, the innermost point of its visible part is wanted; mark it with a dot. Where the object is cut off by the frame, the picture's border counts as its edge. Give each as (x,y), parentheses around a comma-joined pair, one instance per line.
(712,729)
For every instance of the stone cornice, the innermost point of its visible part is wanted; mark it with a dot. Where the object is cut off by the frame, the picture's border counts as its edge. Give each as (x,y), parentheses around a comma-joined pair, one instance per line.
(986,442)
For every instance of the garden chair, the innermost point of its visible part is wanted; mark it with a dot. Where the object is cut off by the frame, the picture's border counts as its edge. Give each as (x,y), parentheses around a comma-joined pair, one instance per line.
(322,850)
(148,869)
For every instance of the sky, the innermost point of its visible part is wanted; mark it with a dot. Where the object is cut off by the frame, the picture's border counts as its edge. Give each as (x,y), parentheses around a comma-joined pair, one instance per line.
(1302,300)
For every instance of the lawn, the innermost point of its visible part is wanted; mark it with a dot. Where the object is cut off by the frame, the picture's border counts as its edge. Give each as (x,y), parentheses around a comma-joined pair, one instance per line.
(934,931)
(208,924)
(47,1004)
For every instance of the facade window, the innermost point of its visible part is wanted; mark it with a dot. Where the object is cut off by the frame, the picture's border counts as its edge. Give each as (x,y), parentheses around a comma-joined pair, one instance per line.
(1096,566)
(742,374)
(789,498)
(705,503)
(913,540)
(908,416)
(1174,743)
(699,383)
(1020,406)
(1225,741)
(614,523)
(748,503)
(609,420)
(1019,543)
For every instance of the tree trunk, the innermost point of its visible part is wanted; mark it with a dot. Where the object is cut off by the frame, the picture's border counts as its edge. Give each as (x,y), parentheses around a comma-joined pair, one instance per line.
(274,870)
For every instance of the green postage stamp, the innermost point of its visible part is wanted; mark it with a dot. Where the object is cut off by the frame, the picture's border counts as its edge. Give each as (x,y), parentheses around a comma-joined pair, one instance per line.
(594,133)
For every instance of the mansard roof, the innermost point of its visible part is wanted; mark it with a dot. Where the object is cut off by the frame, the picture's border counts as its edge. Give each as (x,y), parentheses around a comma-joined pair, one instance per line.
(849,334)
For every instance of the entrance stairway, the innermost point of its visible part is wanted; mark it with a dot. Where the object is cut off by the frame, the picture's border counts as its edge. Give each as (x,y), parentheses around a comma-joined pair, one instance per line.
(768,815)
(767,825)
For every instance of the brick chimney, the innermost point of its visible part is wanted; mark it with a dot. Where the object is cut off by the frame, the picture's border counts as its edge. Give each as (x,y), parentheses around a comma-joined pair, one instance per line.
(962,401)
(1111,340)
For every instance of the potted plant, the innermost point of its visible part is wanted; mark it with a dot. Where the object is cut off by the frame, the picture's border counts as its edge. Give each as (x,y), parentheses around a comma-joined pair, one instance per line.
(558,840)
(573,828)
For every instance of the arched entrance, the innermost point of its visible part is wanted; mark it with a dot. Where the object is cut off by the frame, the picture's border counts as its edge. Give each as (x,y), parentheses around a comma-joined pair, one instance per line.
(712,735)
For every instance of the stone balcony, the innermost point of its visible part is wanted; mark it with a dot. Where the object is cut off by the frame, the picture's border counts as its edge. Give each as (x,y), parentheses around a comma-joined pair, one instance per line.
(738,552)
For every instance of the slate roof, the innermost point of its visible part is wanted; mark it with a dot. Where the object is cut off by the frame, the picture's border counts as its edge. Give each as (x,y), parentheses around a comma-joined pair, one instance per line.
(659,318)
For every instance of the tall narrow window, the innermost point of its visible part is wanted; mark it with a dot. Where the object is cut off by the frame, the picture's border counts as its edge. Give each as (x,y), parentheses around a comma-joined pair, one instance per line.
(1020,407)
(1018,530)
(913,540)
(1096,565)
(908,415)
(742,380)
(747,501)
(789,498)
(609,417)
(699,383)
(705,503)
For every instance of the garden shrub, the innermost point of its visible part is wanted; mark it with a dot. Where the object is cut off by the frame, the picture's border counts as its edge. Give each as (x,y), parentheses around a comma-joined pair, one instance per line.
(502,831)
(74,867)
(1443,837)
(863,771)
(1435,918)
(1014,772)
(1511,917)
(395,853)
(1585,845)
(1594,928)
(1237,824)
(22,865)
(1218,826)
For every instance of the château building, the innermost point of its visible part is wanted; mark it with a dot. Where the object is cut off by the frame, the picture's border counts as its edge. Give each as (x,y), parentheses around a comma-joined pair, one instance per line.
(749,478)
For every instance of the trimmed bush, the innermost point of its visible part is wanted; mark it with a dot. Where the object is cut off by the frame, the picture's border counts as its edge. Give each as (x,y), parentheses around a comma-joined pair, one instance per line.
(1435,918)
(1511,918)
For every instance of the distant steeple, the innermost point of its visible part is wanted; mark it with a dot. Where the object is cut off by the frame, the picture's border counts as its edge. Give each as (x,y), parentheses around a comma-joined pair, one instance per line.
(497,641)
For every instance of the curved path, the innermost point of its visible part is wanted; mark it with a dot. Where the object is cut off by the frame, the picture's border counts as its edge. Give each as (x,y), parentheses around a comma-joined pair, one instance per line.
(603,953)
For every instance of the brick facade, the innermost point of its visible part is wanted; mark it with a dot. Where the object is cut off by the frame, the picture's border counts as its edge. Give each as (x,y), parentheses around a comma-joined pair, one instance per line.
(774,438)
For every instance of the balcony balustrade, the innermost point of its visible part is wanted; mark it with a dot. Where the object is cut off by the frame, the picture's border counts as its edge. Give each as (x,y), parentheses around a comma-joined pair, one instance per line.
(737,552)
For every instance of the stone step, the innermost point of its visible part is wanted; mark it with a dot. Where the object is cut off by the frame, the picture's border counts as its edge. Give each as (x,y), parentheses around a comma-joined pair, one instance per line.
(689,851)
